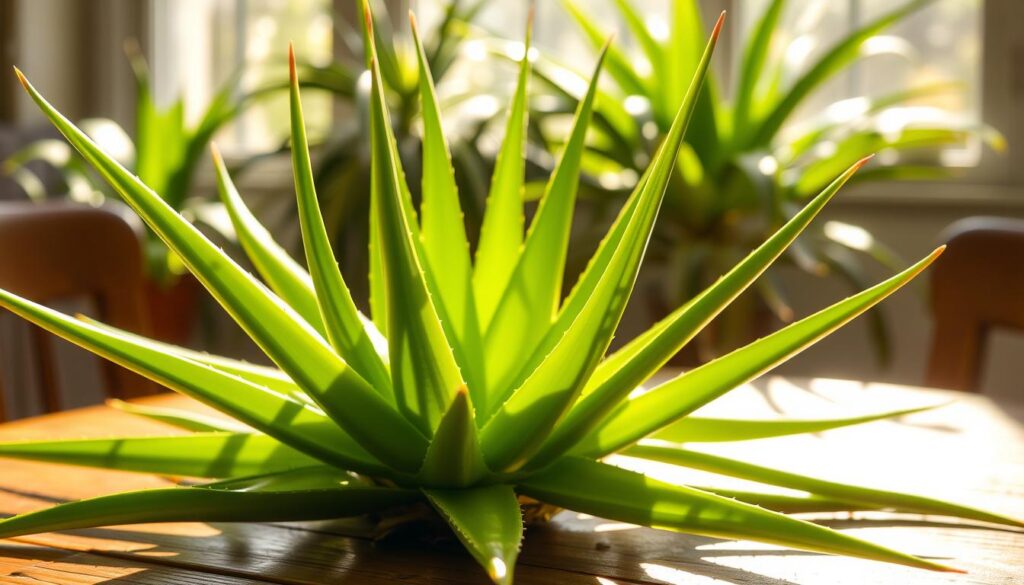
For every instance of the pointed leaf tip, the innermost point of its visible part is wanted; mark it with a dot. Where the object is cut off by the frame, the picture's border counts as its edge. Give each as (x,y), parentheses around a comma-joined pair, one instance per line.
(863,161)
(21,79)
(497,570)
(413,23)
(718,26)
(292,73)
(218,160)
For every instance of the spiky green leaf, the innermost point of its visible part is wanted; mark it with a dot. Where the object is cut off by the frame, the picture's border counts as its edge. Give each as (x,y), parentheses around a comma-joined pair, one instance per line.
(341,318)
(609,492)
(576,342)
(317,494)
(454,458)
(279,330)
(210,455)
(645,414)
(872,497)
(501,233)
(488,522)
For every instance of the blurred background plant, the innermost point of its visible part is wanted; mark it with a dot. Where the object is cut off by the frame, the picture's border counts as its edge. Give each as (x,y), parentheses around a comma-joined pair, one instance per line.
(166,152)
(752,159)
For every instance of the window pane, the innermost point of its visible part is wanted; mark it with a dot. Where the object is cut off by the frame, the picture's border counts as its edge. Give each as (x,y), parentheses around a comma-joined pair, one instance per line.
(939,44)
(199,45)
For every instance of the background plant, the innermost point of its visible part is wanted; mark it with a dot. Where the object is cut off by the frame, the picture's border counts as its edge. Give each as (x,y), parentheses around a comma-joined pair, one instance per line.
(474,381)
(747,165)
(165,153)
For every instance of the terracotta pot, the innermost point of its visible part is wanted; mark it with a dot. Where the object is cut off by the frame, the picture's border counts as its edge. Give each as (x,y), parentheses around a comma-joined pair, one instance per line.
(172,309)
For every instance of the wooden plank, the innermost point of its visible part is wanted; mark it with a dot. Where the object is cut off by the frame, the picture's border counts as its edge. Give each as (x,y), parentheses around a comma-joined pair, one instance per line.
(35,565)
(969,452)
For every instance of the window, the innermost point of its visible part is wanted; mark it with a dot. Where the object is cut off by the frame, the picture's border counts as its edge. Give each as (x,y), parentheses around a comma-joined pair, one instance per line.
(199,45)
(940,45)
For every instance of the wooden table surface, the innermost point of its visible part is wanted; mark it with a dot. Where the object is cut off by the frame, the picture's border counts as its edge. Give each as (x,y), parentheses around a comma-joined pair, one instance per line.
(971,451)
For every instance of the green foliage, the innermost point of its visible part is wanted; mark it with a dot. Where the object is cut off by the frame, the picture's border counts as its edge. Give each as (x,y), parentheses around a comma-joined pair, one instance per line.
(747,166)
(351,421)
(165,154)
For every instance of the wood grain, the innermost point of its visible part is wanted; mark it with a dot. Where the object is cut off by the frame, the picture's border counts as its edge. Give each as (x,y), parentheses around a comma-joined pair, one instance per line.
(971,451)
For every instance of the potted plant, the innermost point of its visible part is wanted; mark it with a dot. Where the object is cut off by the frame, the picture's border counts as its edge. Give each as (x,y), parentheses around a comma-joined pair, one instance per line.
(747,166)
(473,383)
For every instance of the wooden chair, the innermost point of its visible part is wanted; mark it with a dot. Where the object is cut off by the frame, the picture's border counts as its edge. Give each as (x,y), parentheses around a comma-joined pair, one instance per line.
(60,251)
(976,285)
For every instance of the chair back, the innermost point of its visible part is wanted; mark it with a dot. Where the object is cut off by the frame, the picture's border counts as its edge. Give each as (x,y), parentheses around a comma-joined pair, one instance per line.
(58,252)
(978,284)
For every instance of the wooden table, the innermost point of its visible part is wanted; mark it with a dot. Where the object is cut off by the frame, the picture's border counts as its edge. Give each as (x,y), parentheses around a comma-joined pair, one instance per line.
(971,451)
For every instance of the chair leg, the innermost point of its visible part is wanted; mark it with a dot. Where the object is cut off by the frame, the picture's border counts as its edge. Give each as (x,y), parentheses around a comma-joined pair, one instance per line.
(48,380)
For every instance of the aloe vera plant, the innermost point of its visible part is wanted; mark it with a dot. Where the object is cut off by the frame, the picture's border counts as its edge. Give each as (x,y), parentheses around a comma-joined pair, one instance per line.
(472,383)
(748,164)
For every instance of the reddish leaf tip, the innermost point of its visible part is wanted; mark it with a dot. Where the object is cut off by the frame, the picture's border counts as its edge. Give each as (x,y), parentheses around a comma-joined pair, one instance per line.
(462,390)
(718,26)
(21,78)
(292,73)
(863,161)
(368,18)
(413,23)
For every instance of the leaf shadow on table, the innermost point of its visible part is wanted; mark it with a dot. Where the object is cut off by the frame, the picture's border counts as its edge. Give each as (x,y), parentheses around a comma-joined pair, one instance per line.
(843,523)
(770,396)
(571,549)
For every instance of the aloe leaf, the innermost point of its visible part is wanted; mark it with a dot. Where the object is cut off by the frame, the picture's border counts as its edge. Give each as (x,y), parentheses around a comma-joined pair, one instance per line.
(345,329)
(716,430)
(443,232)
(623,371)
(291,422)
(645,414)
(520,426)
(844,52)
(501,233)
(881,498)
(619,66)
(199,455)
(454,458)
(292,496)
(265,376)
(787,504)
(284,276)
(182,419)
(488,522)
(424,371)
(530,302)
(752,65)
(281,333)
(610,492)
